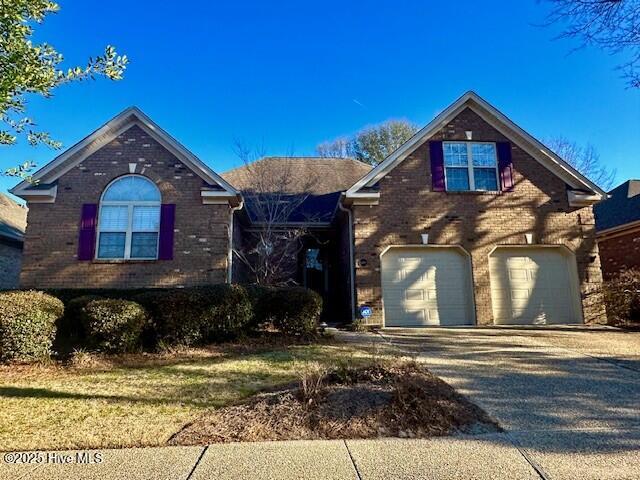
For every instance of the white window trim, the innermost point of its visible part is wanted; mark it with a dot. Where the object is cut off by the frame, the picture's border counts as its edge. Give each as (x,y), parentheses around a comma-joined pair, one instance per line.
(129,232)
(470,167)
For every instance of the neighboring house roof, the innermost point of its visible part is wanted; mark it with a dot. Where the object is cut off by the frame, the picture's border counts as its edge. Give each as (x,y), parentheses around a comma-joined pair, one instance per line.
(13,219)
(587,191)
(321,181)
(43,182)
(621,209)
(317,175)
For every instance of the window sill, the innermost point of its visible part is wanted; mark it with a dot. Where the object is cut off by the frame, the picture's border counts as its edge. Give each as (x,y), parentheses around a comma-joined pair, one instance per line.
(474,192)
(124,260)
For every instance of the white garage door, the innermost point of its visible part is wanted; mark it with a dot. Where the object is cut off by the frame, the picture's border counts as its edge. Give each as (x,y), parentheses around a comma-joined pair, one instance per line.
(426,286)
(534,286)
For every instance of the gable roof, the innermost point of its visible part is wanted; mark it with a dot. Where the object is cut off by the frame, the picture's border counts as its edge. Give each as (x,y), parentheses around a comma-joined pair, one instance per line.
(13,219)
(500,122)
(45,178)
(316,175)
(621,209)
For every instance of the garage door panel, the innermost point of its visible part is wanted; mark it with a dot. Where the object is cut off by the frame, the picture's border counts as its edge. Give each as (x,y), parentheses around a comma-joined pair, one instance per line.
(426,286)
(533,285)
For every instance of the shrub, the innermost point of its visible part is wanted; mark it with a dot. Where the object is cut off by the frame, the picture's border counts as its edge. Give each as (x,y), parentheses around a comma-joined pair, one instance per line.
(27,325)
(177,315)
(228,313)
(622,297)
(68,294)
(70,329)
(114,325)
(292,310)
(196,315)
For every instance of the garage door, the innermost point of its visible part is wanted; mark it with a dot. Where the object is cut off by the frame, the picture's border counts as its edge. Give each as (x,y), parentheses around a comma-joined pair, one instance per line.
(426,286)
(534,286)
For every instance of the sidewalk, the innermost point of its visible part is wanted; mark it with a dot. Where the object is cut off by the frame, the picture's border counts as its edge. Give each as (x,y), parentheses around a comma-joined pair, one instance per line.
(478,457)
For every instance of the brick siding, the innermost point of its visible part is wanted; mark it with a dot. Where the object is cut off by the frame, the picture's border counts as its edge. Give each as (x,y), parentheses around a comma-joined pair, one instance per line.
(476,221)
(201,231)
(620,252)
(10,262)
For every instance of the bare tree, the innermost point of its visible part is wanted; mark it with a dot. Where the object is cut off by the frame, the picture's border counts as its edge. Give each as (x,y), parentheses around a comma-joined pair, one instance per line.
(613,25)
(339,148)
(274,193)
(585,159)
(372,144)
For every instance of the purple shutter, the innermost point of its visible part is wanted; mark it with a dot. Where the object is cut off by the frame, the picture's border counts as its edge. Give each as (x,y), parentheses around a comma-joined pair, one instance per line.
(87,238)
(505,166)
(167,221)
(437,166)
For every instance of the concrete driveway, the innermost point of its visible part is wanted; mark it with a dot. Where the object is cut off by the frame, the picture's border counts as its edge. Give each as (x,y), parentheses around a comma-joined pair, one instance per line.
(568,398)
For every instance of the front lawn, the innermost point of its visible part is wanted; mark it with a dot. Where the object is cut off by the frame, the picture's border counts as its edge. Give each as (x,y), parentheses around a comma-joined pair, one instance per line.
(143,399)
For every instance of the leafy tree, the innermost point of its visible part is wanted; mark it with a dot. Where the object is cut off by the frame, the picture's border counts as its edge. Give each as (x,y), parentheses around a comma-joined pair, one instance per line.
(30,68)
(585,159)
(613,25)
(372,144)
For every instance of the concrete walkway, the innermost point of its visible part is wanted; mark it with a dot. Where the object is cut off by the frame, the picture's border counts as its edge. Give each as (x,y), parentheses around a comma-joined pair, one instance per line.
(568,399)
(492,457)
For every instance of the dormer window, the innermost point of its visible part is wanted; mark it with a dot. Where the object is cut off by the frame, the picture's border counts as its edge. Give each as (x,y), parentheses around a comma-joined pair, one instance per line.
(470,166)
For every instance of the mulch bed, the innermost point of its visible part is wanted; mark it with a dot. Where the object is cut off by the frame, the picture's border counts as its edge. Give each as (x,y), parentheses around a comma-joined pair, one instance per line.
(384,400)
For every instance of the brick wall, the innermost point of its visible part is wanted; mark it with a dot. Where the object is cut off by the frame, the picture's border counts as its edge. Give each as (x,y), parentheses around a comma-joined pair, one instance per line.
(476,221)
(10,261)
(201,231)
(620,252)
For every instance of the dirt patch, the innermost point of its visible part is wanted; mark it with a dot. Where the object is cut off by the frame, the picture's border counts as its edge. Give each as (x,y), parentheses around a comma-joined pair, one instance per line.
(396,400)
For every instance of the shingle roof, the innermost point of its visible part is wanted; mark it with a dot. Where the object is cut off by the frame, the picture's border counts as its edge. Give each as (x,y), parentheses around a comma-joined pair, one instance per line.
(622,206)
(321,179)
(13,219)
(313,174)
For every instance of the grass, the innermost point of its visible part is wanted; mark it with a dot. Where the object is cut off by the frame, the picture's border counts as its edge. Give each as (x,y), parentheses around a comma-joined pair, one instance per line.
(141,400)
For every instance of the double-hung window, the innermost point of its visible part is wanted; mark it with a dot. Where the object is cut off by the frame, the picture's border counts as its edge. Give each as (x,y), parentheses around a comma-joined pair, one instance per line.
(470,166)
(129,220)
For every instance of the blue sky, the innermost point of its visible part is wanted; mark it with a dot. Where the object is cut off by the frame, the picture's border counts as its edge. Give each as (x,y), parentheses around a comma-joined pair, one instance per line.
(288,75)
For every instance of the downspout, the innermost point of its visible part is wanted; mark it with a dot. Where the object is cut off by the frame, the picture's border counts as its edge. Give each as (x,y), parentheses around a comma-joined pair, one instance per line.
(351,260)
(232,211)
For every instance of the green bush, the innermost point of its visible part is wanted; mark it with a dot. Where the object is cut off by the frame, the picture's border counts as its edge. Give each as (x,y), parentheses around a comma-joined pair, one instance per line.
(228,313)
(622,297)
(177,315)
(27,325)
(70,332)
(197,315)
(292,310)
(114,326)
(68,294)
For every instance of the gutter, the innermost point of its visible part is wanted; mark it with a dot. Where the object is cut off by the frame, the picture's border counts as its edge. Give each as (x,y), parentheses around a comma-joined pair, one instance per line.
(232,211)
(351,260)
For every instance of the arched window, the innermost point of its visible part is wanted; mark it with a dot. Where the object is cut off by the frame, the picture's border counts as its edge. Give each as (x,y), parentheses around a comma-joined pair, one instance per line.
(129,220)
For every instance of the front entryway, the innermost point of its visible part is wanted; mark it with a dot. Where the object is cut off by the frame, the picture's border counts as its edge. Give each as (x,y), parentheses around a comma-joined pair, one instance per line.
(534,286)
(427,285)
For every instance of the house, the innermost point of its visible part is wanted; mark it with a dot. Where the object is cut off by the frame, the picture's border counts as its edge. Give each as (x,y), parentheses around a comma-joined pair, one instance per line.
(618,228)
(13,219)
(471,222)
